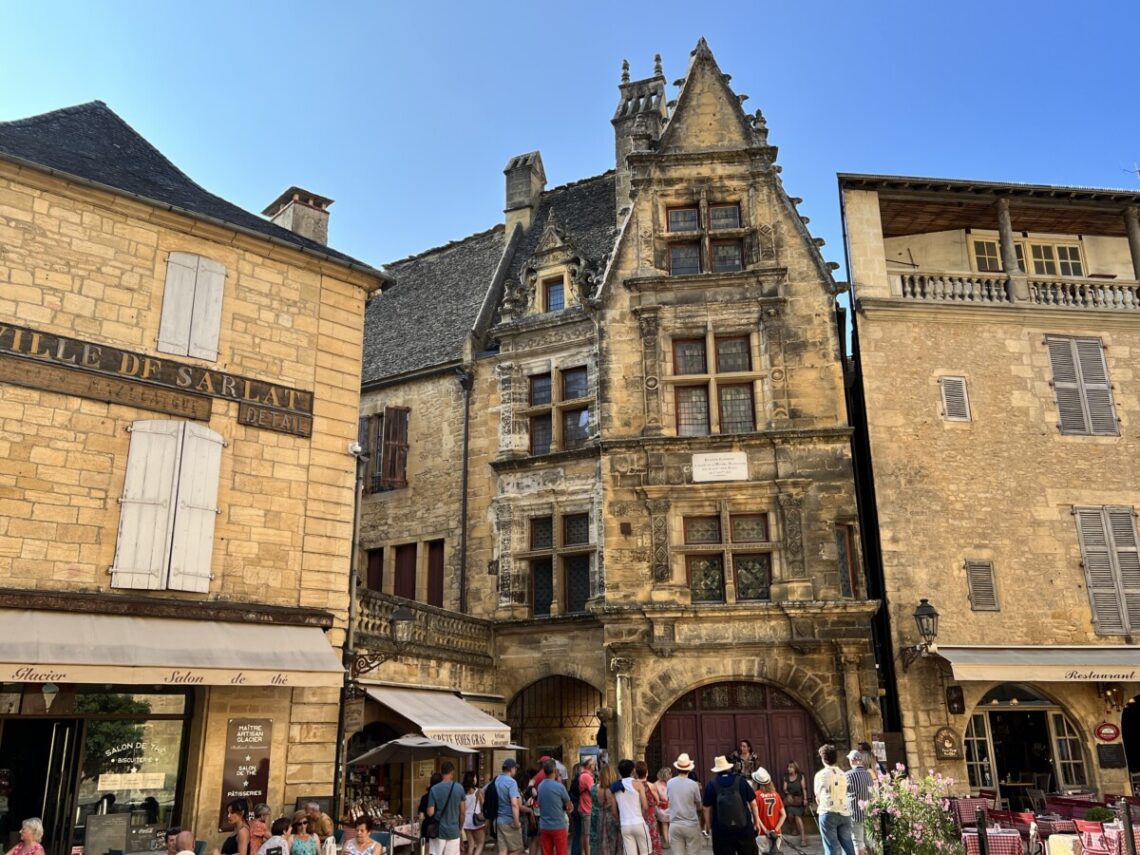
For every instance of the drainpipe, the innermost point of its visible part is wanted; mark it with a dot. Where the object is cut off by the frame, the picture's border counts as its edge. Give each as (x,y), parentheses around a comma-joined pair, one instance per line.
(349,651)
(466,380)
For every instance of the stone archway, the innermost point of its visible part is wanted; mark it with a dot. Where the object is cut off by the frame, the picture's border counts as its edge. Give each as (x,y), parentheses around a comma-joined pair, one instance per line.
(555,715)
(711,720)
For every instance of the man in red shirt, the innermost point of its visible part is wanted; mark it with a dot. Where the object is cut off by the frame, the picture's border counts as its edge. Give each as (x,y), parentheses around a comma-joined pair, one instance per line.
(585,805)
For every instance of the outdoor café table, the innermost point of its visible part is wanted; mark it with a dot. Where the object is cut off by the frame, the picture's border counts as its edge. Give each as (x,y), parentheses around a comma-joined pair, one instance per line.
(1114,837)
(1001,842)
(966,809)
(1048,825)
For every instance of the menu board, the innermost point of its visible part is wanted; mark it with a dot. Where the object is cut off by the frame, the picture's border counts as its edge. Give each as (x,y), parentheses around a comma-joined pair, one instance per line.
(106,832)
(245,775)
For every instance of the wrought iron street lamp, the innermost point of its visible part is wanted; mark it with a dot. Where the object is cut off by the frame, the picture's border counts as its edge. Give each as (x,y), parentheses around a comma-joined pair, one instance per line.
(400,626)
(926,618)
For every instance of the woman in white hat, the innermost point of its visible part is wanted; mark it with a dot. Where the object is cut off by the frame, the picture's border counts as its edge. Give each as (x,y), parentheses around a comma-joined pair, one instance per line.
(770,807)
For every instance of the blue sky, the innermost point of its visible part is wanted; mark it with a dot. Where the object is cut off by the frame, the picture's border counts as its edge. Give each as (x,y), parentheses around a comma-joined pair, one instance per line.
(405,113)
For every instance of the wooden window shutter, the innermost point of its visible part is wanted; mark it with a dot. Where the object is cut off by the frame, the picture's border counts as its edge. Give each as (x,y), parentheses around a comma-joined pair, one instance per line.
(192,548)
(206,321)
(1100,573)
(1095,385)
(146,518)
(1122,532)
(372,428)
(178,303)
(394,461)
(955,399)
(435,573)
(982,585)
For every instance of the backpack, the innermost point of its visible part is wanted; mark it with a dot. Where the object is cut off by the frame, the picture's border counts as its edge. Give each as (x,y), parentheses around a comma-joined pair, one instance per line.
(491,806)
(731,814)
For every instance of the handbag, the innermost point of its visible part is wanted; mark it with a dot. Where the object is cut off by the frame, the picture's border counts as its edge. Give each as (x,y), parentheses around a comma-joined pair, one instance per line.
(430,830)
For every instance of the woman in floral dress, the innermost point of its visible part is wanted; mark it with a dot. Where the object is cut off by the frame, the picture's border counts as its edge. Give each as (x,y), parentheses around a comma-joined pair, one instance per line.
(641,776)
(609,831)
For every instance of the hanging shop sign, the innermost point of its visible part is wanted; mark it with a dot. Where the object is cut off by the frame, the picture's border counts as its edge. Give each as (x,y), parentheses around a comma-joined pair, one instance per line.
(1107,732)
(42,360)
(947,744)
(245,774)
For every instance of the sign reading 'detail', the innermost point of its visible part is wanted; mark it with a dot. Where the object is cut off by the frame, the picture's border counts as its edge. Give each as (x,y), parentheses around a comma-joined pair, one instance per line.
(106,373)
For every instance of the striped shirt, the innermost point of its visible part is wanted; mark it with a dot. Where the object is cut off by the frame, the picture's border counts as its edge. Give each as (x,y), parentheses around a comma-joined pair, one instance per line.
(858,790)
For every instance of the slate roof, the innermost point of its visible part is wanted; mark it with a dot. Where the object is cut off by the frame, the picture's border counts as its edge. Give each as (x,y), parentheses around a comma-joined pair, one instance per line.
(423,319)
(91,142)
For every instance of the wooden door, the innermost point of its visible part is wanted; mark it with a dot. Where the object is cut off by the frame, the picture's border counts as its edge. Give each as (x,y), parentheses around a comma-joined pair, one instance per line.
(793,738)
(680,734)
(406,571)
(718,737)
(435,573)
(754,728)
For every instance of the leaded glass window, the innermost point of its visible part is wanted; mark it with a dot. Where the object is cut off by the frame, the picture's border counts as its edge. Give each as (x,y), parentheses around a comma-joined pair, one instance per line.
(717,697)
(727,256)
(702,529)
(689,356)
(542,533)
(749,528)
(753,576)
(724,217)
(573,383)
(736,410)
(542,579)
(576,529)
(733,354)
(575,427)
(577,570)
(706,578)
(684,258)
(541,433)
(750,696)
(539,390)
(555,295)
(683,220)
(692,411)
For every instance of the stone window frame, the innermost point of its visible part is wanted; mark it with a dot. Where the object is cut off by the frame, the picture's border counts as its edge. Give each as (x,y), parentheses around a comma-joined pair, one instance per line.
(558,551)
(547,283)
(682,552)
(711,379)
(705,237)
(558,407)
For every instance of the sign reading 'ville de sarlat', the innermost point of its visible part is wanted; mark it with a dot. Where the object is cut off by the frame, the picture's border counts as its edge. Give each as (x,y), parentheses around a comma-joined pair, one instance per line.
(55,363)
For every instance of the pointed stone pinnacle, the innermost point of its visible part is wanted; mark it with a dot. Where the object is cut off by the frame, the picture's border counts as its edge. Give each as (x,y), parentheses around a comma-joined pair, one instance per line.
(625,71)
(657,65)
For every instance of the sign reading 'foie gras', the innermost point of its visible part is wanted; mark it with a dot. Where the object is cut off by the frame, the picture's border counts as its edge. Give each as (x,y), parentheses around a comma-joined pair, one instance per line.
(261,404)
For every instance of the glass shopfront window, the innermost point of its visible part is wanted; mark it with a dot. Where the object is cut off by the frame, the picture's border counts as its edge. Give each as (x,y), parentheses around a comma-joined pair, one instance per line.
(92,761)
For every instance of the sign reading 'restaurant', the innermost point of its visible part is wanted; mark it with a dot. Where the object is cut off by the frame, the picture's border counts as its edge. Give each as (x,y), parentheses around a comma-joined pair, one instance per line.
(261,404)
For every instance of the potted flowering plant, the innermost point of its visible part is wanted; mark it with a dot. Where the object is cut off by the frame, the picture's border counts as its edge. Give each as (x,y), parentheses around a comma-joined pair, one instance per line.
(911,816)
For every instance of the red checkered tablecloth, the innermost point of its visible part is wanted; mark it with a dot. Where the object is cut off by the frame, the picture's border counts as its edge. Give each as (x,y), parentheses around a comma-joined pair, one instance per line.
(1045,827)
(1000,843)
(1114,837)
(966,809)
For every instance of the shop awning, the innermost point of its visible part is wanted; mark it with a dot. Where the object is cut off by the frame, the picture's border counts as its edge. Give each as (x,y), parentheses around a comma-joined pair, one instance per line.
(443,716)
(70,647)
(1043,663)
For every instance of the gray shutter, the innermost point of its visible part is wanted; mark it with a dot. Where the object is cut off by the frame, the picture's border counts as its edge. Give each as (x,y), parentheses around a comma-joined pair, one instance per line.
(1067,386)
(206,322)
(1122,531)
(955,399)
(192,548)
(982,585)
(1094,383)
(146,518)
(1097,556)
(178,303)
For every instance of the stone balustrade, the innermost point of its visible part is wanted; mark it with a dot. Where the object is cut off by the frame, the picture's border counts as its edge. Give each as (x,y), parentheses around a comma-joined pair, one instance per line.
(952,287)
(1086,293)
(435,629)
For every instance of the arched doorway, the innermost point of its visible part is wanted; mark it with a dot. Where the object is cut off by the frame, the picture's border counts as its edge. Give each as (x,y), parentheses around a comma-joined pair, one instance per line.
(711,721)
(1130,732)
(1019,739)
(555,715)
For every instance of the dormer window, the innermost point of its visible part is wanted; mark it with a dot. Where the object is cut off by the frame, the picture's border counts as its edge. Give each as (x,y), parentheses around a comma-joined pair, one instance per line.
(724,217)
(684,219)
(708,239)
(727,256)
(684,258)
(554,295)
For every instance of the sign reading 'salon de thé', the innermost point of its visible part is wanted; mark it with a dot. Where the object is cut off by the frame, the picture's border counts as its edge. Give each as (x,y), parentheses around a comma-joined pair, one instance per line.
(55,363)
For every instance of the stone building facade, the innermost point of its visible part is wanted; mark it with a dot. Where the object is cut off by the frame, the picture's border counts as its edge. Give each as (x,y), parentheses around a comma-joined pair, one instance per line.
(609,438)
(179,387)
(996,330)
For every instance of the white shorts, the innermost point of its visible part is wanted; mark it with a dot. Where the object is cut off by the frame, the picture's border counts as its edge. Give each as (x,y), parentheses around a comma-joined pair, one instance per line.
(859,834)
(443,847)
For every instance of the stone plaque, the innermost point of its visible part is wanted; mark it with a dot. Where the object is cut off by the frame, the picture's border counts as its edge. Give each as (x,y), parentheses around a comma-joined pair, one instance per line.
(269,418)
(720,466)
(114,390)
(245,773)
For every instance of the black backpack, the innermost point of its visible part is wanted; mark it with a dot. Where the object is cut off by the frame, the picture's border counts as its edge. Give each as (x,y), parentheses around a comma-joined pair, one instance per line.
(731,814)
(491,806)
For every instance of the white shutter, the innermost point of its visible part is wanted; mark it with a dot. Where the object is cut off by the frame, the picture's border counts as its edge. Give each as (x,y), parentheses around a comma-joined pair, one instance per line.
(1094,383)
(191,554)
(1067,386)
(1097,555)
(207,316)
(178,303)
(982,585)
(955,400)
(147,515)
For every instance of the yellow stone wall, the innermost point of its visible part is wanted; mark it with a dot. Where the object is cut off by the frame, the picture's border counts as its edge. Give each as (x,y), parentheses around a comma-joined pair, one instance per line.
(92,265)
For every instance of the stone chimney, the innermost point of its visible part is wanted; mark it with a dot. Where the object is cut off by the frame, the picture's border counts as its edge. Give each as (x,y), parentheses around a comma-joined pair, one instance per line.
(640,117)
(301,212)
(526,180)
